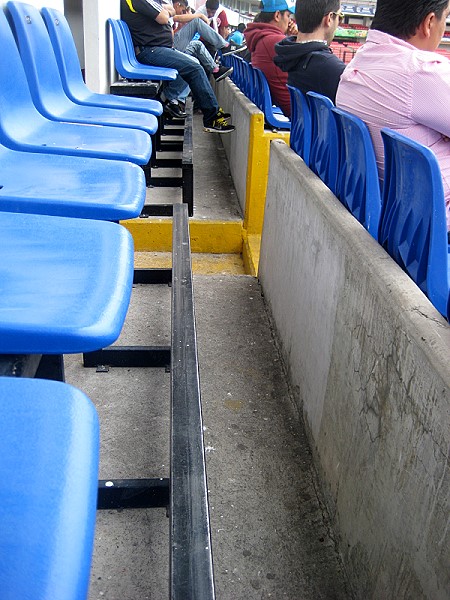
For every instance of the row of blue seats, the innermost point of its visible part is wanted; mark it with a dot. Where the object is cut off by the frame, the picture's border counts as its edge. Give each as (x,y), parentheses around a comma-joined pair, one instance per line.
(407,214)
(66,280)
(253,83)
(125,59)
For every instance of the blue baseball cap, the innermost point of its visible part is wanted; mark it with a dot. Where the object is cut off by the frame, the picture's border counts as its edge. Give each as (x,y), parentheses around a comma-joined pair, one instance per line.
(271,6)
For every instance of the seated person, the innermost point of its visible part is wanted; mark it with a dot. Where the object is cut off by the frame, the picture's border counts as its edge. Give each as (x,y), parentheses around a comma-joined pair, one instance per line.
(187,27)
(269,27)
(217,17)
(151,30)
(307,59)
(396,80)
(237,37)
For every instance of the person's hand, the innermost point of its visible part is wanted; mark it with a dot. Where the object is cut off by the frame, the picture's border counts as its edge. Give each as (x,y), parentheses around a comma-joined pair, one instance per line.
(169,8)
(202,17)
(292,28)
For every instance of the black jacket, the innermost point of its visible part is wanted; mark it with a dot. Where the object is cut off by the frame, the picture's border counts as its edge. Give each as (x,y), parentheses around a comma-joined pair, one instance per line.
(311,67)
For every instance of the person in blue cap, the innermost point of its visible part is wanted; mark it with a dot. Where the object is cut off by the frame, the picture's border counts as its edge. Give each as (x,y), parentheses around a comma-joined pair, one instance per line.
(270,26)
(307,58)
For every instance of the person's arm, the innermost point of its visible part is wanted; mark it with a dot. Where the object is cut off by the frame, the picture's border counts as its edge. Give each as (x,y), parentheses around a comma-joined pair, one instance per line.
(188,18)
(167,11)
(150,8)
(430,96)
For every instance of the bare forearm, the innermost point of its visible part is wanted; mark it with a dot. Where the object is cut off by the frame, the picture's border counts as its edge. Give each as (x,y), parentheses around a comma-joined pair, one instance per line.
(187,18)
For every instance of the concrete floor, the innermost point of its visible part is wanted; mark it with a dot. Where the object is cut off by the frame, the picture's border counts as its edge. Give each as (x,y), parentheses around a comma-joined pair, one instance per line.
(270,531)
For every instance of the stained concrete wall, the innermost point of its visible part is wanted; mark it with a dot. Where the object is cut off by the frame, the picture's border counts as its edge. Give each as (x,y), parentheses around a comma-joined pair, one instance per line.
(237,144)
(368,357)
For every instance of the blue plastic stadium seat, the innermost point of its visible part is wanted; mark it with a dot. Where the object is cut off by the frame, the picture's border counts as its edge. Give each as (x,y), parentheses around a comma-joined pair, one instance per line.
(324,154)
(22,127)
(70,186)
(300,138)
(125,60)
(239,68)
(70,70)
(272,115)
(65,283)
(232,62)
(226,60)
(413,225)
(49,451)
(358,186)
(45,83)
(248,79)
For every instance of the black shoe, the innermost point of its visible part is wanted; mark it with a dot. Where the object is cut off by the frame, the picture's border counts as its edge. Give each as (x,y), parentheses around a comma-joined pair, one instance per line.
(233,50)
(173,109)
(221,113)
(222,73)
(219,125)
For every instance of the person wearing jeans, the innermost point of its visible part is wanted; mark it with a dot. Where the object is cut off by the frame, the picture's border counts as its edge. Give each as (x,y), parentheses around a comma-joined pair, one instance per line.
(187,29)
(151,29)
(189,25)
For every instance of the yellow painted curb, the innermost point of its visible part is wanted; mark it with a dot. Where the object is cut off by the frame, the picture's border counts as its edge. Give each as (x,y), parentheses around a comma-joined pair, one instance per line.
(202,264)
(210,237)
(250,253)
(258,171)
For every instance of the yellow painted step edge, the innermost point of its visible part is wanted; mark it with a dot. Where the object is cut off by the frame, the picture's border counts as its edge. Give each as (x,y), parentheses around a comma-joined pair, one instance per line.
(210,237)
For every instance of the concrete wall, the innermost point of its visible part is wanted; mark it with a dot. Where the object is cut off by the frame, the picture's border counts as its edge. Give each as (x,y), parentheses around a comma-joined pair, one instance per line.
(248,152)
(368,357)
(237,144)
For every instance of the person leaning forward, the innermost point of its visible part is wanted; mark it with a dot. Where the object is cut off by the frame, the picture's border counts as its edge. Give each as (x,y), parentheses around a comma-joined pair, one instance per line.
(150,24)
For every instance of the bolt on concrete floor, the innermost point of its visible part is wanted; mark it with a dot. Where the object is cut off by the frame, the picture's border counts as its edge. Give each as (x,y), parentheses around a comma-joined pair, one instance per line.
(270,533)
(271,536)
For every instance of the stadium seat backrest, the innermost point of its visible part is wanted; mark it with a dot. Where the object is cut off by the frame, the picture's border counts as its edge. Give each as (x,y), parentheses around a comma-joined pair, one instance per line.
(240,68)
(413,220)
(247,78)
(358,185)
(65,51)
(300,139)
(273,116)
(38,58)
(125,59)
(324,154)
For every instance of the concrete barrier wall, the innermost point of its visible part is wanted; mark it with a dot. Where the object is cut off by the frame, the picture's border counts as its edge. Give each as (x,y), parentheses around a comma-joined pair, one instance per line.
(248,151)
(236,144)
(368,357)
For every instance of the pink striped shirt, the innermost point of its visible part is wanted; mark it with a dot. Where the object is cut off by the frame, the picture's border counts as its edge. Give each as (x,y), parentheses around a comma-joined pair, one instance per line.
(390,83)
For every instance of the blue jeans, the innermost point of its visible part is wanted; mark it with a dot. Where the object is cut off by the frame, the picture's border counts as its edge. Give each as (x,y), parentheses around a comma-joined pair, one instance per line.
(185,34)
(198,50)
(190,72)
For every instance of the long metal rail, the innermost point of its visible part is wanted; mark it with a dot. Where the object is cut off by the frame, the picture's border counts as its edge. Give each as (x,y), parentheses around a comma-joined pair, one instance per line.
(185,492)
(191,572)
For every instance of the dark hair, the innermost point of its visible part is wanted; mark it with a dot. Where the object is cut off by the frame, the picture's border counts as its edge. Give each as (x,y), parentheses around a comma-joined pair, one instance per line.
(241,27)
(402,19)
(212,4)
(309,13)
(266,17)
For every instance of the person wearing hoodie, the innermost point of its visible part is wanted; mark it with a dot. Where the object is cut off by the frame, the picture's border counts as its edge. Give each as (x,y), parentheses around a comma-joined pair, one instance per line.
(307,58)
(269,27)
